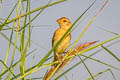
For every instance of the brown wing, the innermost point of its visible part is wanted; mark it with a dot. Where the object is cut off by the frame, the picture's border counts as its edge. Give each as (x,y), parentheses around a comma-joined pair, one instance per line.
(53,38)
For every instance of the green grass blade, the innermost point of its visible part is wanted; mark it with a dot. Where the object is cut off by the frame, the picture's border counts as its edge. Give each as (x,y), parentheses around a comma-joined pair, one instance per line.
(31,20)
(103,73)
(18,62)
(32,11)
(29,37)
(11,12)
(109,31)
(35,16)
(100,62)
(14,49)
(106,41)
(75,65)
(12,59)
(23,60)
(23,32)
(111,53)
(9,46)
(4,36)
(7,68)
(86,68)
(112,74)
(31,68)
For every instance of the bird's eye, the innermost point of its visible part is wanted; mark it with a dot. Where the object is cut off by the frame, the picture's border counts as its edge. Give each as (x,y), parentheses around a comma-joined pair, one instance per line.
(64,21)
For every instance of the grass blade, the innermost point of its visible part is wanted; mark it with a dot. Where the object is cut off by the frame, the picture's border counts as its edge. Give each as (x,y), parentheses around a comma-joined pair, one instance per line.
(27,13)
(86,57)
(86,68)
(111,53)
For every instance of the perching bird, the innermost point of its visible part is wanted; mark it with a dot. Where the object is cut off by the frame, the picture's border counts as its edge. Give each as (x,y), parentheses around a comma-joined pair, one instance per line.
(64,24)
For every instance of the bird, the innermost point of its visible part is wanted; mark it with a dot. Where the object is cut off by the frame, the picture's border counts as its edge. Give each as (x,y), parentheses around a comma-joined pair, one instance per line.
(64,25)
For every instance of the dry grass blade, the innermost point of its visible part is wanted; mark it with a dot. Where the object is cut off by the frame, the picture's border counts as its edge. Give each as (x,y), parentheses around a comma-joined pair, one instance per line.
(67,60)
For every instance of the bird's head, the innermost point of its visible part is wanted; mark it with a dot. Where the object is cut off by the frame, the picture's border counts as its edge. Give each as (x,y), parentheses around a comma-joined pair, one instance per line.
(64,23)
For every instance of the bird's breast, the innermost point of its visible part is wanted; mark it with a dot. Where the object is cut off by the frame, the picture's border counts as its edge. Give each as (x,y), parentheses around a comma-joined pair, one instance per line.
(64,43)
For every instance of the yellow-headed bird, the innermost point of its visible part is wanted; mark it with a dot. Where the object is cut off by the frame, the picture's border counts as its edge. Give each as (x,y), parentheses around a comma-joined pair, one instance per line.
(64,24)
